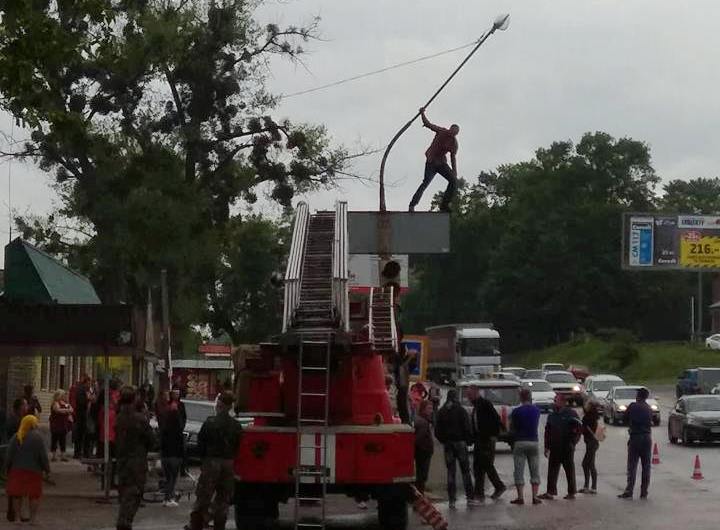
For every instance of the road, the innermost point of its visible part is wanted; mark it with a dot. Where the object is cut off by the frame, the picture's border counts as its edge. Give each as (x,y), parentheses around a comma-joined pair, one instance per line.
(676,500)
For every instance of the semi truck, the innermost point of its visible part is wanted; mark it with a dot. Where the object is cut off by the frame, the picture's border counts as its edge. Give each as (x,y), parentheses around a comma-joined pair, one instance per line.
(457,351)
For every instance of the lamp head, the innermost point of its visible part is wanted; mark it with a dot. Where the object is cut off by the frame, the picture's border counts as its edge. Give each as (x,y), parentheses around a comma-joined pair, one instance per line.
(502,22)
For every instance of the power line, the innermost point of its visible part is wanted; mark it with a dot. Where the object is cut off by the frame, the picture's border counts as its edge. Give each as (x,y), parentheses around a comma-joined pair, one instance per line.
(376,72)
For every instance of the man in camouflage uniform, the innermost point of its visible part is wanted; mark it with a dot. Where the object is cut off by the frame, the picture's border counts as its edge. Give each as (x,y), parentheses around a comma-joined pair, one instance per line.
(133,439)
(217,444)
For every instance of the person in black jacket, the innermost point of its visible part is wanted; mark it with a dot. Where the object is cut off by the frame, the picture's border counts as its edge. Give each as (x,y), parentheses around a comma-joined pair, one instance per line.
(486,428)
(453,430)
(172,450)
(562,433)
(639,417)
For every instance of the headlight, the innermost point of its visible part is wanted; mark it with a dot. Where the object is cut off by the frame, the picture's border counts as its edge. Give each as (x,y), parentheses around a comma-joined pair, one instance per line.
(622,408)
(576,388)
(654,407)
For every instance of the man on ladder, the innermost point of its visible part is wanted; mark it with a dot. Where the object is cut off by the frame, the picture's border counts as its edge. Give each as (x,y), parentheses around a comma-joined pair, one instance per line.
(445,141)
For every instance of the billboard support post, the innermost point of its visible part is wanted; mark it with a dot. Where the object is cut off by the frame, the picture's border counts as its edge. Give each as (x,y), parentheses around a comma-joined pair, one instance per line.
(692,319)
(700,306)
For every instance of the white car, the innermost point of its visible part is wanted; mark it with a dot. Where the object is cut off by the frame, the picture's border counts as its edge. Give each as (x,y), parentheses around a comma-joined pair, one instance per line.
(506,376)
(543,395)
(713,342)
(597,387)
(620,398)
(564,383)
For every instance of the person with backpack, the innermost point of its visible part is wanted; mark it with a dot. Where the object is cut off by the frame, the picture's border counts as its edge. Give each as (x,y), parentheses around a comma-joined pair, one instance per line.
(453,430)
(590,430)
(486,429)
(562,433)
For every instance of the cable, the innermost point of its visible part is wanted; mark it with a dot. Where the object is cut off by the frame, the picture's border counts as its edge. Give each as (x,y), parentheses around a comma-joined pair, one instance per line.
(376,72)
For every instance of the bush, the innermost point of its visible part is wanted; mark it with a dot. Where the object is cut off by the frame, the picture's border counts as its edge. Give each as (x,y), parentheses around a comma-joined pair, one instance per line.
(622,355)
(616,335)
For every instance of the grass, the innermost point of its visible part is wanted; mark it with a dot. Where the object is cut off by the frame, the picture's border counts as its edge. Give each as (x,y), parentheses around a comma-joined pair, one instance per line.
(658,362)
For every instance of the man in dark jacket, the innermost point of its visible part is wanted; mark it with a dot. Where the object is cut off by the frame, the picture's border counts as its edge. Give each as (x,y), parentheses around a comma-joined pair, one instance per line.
(562,432)
(217,444)
(172,450)
(486,428)
(639,415)
(424,444)
(133,439)
(453,430)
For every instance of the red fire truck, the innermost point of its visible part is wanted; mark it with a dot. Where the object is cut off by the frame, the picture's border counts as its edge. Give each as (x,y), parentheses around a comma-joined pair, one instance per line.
(323,418)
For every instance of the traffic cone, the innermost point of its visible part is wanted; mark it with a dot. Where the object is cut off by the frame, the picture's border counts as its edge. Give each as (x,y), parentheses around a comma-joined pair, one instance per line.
(697,473)
(427,512)
(656,455)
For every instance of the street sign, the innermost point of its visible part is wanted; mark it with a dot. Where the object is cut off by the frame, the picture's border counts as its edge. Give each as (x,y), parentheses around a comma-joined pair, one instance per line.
(671,242)
(409,233)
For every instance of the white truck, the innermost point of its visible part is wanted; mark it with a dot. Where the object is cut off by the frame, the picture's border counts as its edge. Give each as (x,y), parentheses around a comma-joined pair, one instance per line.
(457,351)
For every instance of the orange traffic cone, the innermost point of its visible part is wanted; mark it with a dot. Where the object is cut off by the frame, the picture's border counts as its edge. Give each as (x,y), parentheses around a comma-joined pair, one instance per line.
(428,512)
(656,455)
(697,473)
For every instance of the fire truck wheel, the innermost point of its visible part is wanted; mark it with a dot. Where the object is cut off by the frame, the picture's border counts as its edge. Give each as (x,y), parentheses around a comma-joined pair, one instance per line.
(393,512)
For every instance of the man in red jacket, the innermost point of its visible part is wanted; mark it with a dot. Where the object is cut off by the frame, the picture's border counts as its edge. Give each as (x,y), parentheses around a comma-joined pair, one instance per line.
(445,142)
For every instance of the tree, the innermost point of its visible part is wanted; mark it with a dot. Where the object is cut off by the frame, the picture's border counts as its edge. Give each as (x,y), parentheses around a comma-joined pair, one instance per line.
(154,118)
(695,196)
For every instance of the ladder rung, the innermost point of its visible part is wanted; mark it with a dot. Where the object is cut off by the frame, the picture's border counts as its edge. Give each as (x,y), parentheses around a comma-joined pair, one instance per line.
(314,368)
(311,420)
(311,447)
(310,499)
(309,525)
(312,394)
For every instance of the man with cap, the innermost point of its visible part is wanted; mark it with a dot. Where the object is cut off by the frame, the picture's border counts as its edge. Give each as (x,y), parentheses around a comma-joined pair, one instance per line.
(639,418)
(217,444)
(453,430)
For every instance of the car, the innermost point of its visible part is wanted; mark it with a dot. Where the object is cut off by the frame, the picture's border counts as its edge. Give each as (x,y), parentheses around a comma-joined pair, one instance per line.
(543,395)
(695,418)
(504,394)
(564,383)
(505,375)
(619,399)
(597,387)
(197,411)
(534,374)
(517,370)
(713,342)
(687,383)
(552,367)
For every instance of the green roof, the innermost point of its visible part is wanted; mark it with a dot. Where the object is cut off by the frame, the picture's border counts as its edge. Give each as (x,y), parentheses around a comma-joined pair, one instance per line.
(32,276)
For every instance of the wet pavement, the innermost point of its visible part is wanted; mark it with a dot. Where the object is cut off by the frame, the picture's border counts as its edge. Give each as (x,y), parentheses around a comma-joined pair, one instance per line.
(676,500)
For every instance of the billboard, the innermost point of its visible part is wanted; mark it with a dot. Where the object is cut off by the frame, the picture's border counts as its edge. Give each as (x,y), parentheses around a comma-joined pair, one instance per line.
(410,233)
(671,242)
(416,344)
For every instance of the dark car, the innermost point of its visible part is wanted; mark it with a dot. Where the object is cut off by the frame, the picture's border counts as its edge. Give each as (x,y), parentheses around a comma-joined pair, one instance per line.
(197,412)
(695,418)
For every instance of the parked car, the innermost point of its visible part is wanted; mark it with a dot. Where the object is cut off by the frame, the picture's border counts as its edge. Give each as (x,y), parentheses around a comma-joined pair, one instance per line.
(534,374)
(542,393)
(517,370)
(580,372)
(564,383)
(699,380)
(713,342)
(197,412)
(552,367)
(505,375)
(597,387)
(695,418)
(620,398)
(504,394)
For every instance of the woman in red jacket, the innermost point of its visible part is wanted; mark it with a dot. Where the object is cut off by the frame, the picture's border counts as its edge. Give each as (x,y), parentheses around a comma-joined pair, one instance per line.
(60,424)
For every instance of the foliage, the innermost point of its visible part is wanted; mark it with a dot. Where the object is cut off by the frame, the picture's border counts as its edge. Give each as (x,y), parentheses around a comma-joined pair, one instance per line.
(695,196)
(154,118)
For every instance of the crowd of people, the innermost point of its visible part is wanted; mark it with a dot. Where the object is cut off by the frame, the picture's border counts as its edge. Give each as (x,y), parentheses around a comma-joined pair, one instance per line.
(456,429)
(129,436)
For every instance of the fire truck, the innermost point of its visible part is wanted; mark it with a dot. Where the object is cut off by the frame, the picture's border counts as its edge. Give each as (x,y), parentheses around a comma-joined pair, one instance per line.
(323,421)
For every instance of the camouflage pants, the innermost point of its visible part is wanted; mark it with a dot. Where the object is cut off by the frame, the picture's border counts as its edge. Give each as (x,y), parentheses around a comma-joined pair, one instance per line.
(216,480)
(132,474)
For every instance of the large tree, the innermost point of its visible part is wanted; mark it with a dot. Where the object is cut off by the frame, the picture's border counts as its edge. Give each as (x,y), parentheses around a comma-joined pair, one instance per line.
(154,118)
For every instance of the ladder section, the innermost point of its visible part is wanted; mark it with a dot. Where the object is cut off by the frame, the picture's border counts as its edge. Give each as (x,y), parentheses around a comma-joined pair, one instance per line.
(383,328)
(314,314)
(312,472)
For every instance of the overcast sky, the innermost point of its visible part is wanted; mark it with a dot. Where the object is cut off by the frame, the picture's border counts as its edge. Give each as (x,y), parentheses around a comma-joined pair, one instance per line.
(647,69)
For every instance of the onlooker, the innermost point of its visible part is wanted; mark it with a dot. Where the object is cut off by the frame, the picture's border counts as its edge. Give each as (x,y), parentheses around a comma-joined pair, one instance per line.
(639,417)
(453,430)
(112,416)
(418,393)
(161,406)
(562,432)
(402,382)
(80,404)
(424,444)
(176,403)
(133,440)
(33,405)
(217,443)
(486,428)
(19,411)
(435,398)
(172,451)
(60,424)
(524,422)
(26,461)
(592,444)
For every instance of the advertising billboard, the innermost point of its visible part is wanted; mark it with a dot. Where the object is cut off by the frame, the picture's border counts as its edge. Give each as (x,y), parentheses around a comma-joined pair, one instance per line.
(671,242)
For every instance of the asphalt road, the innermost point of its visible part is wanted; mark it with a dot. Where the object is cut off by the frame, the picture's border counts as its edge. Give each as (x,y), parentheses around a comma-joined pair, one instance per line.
(676,500)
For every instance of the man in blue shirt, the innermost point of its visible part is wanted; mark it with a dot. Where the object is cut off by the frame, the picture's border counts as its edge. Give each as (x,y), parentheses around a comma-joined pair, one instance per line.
(639,417)
(524,422)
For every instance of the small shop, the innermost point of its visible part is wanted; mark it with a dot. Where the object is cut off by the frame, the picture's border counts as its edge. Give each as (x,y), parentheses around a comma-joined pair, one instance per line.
(202,379)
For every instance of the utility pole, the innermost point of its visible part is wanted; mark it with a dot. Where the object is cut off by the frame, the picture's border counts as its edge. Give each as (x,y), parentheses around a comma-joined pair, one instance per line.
(165,330)
(700,306)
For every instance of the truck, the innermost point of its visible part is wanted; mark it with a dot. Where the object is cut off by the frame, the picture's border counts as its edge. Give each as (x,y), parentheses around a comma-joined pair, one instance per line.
(457,351)
(322,418)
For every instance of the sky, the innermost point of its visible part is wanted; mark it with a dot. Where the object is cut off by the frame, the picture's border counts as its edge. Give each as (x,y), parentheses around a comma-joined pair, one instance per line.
(645,69)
